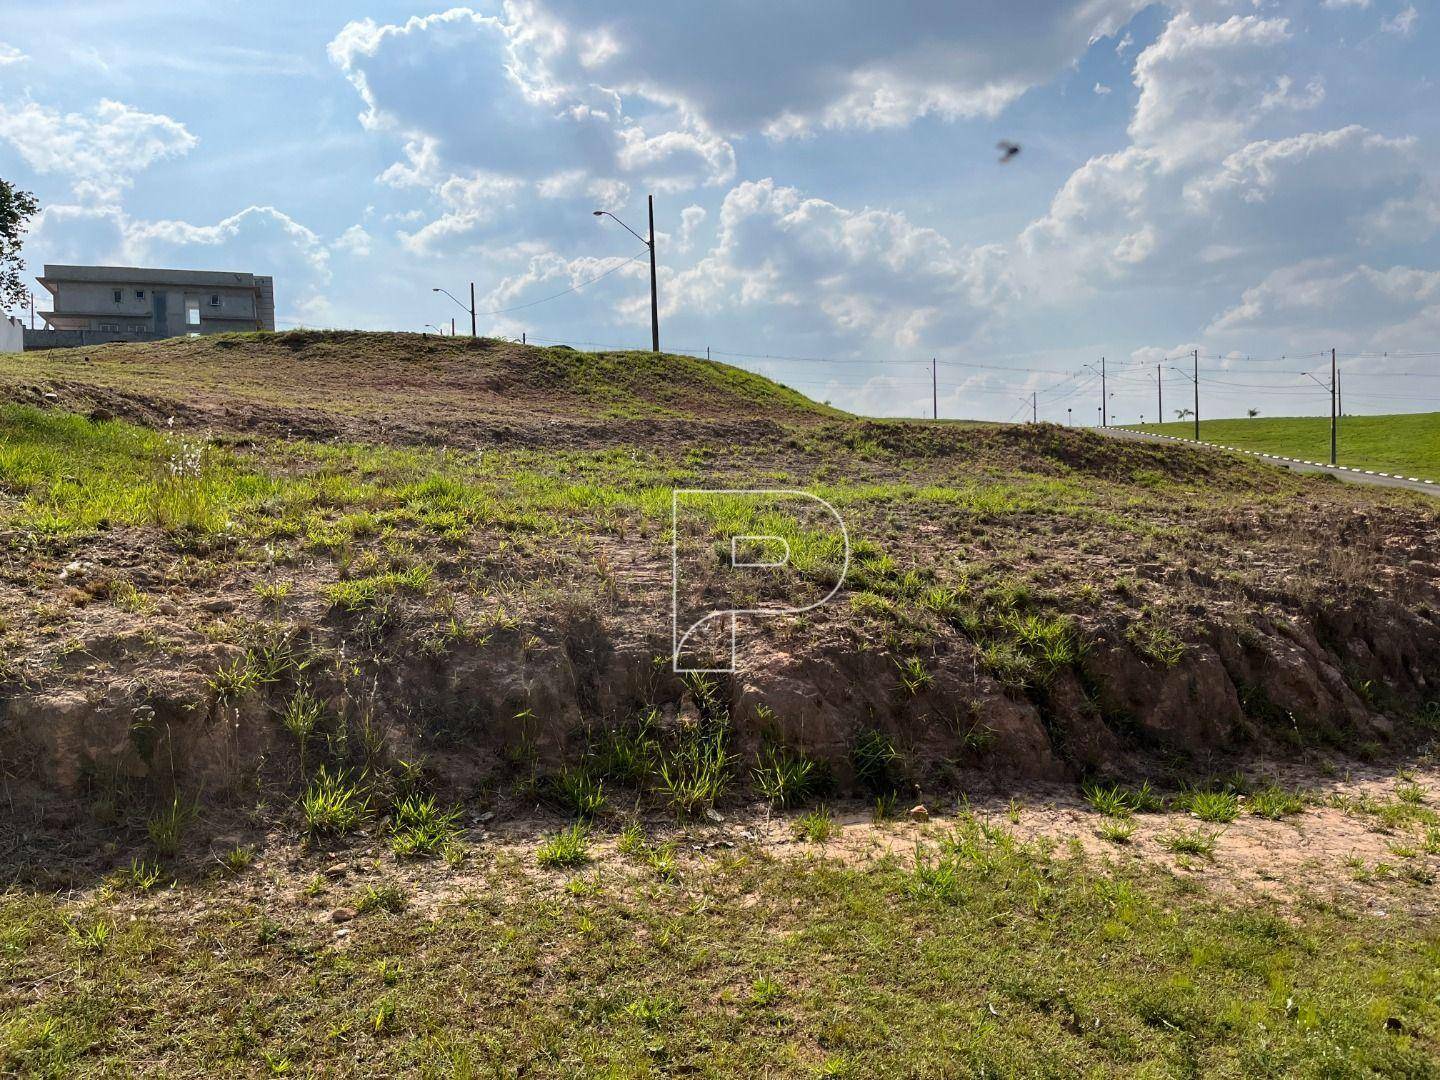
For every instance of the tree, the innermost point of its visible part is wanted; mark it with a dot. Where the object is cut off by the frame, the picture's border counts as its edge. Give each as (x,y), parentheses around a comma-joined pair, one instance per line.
(16,209)
(1181,414)
(1252,413)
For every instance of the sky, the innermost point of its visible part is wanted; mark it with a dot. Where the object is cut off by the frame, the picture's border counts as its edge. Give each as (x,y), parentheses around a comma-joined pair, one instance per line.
(1254,181)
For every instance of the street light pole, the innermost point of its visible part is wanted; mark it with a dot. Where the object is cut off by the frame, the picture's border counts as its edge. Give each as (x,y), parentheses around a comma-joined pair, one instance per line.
(462,306)
(654,289)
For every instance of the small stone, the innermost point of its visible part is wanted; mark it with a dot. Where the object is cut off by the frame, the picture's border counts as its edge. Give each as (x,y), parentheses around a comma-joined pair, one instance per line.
(713,814)
(336,870)
(919,813)
(342,914)
(219,605)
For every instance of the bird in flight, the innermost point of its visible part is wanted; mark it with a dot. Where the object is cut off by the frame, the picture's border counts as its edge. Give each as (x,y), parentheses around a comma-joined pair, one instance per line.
(1007,150)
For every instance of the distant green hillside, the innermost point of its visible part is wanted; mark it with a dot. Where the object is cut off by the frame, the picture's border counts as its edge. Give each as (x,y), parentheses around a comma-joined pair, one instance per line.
(1407,443)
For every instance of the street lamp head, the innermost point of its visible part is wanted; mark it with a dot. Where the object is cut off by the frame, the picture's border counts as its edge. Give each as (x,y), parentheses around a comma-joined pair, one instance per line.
(598,213)
(435,290)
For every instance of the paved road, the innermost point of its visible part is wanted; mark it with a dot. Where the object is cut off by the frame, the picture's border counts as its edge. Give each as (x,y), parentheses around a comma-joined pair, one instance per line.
(1344,472)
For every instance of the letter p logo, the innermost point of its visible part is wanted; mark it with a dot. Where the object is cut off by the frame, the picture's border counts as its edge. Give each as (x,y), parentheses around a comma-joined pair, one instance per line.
(747,552)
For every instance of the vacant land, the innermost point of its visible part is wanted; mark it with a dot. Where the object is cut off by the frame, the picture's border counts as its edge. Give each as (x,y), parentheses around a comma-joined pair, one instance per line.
(338,733)
(1406,443)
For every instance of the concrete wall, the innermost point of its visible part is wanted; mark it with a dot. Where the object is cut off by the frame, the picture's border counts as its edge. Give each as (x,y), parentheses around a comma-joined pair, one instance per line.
(72,339)
(12,335)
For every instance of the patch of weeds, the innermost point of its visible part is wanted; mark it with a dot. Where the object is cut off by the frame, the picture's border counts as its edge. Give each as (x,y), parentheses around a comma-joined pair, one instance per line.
(94,938)
(765,992)
(167,826)
(234,681)
(1120,802)
(693,776)
(1275,802)
(660,858)
(627,755)
(387,898)
(577,791)
(816,827)
(420,828)
(1199,842)
(785,778)
(873,758)
(1411,793)
(332,804)
(569,847)
(1155,643)
(302,715)
(140,875)
(1116,832)
(883,808)
(1218,807)
(915,677)
(238,859)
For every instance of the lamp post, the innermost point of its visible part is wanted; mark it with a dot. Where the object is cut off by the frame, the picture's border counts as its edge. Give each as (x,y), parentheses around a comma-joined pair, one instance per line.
(654,293)
(432,326)
(470,309)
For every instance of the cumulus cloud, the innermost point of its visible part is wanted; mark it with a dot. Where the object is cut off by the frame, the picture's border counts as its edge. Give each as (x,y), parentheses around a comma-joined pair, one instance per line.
(259,240)
(1195,196)
(9,54)
(1351,306)
(778,68)
(354,241)
(872,276)
(478,113)
(1204,85)
(100,151)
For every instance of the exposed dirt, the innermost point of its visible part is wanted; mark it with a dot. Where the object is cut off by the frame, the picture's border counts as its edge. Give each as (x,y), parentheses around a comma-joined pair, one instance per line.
(1225,610)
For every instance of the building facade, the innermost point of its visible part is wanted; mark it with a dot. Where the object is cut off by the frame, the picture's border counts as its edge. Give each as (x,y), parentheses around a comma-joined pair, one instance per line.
(95,304)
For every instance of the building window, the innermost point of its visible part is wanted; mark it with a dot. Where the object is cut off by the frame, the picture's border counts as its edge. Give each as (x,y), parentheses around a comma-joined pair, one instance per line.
(119,294)
(215,300)
(139,294)
(192,312)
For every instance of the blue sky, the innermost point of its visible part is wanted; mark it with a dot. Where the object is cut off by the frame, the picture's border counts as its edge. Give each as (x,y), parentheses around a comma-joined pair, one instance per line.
(1255,180)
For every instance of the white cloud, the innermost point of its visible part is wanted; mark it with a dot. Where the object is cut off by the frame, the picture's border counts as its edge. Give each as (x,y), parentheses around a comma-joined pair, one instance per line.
(873,277)
(476,109)
(355,241)
(1403,22)
(9,54)
(1338,4)
(1204,85)
(1351,307)
(778,68)
(691,218)
(99,152)
(1101,89)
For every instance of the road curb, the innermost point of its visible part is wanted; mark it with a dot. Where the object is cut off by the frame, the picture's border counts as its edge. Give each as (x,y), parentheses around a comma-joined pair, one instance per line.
(1274,457)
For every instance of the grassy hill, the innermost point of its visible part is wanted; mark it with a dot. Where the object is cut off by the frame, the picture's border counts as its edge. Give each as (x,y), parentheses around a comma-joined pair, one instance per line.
(404,387)
(1405,443)
(339,733)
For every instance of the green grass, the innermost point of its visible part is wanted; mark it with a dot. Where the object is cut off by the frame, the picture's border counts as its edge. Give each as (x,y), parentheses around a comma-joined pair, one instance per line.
(998,959)
(1404,443)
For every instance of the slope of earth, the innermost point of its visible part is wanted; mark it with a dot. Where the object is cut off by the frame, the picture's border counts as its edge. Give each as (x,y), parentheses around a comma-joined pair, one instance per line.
(402,388)
(1407,444)
(338,733)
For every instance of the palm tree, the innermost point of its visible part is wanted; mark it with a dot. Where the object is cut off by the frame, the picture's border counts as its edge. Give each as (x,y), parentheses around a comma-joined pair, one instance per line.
(1252,413)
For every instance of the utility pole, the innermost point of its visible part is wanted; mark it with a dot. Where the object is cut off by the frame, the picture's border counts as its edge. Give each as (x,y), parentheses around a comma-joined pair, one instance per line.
(1334,405)
(1159,398)
(1339,397)
(472,312)
(654,294)
(452,327)
(1034,409)
(32,311)
(1197,395)
(654,289)
(934,392)
(1069,419)
(1104,413)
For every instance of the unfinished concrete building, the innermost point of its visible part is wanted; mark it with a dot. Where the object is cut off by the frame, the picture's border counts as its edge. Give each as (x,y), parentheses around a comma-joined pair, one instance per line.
(96,304)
